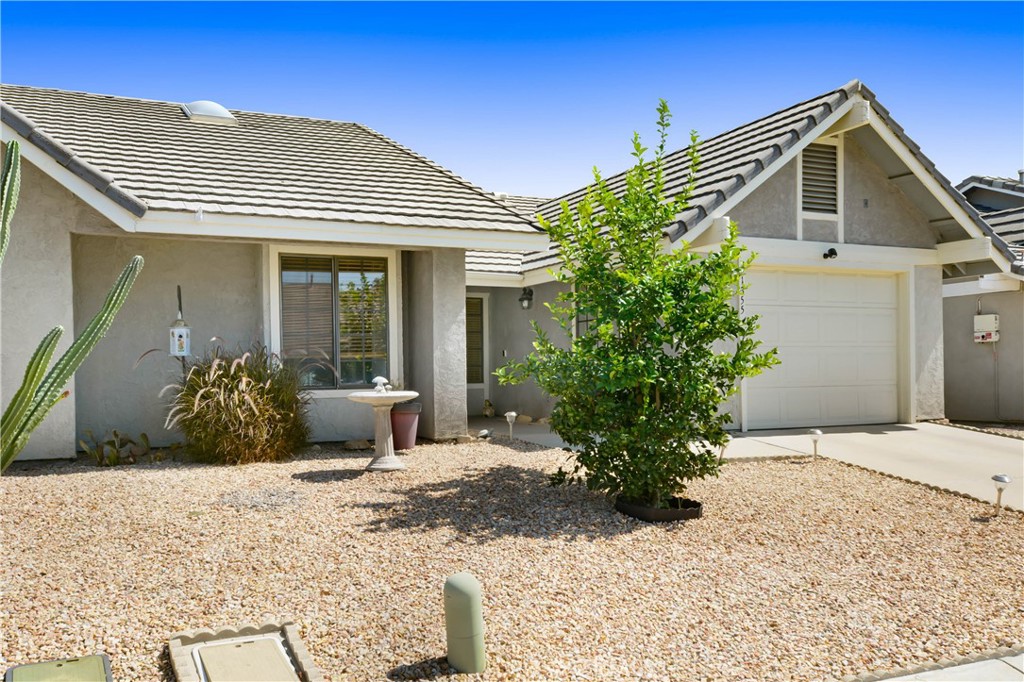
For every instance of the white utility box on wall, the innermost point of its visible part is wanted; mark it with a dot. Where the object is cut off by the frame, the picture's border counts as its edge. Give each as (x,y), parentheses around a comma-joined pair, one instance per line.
(986,328)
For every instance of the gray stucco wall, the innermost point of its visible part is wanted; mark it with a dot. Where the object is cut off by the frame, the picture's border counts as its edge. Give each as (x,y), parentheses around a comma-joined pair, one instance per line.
(36,295)
(220,292)
(770,210)
(434,285)
(511,337)
(929,343)
(889,218)
(985,381)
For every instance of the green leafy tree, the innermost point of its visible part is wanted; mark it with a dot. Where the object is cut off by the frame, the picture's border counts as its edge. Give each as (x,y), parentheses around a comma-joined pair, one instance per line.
(640,386)
(43,386)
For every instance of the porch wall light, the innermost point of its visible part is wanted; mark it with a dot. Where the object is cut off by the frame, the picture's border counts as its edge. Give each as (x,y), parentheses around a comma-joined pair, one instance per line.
(526,298)
(1001,481)
(830,254)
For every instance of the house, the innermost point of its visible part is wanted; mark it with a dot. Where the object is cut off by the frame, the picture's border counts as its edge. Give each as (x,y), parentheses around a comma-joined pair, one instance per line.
(259,218)
(856,233)
(985,377)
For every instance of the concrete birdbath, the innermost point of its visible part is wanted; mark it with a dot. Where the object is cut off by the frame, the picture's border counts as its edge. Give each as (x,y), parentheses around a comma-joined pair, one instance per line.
(381,399)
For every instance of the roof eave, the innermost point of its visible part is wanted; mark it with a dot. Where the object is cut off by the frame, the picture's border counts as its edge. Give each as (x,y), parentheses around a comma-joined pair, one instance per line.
(272,228)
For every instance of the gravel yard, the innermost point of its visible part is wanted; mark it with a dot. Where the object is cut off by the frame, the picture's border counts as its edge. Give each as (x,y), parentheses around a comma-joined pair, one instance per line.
(798,570)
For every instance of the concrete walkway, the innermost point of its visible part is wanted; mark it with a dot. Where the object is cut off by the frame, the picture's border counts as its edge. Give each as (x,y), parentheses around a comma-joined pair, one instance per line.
(1008,669)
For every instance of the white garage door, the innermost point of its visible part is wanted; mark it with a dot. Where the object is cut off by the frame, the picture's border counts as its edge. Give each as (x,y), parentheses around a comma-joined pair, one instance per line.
(837,340)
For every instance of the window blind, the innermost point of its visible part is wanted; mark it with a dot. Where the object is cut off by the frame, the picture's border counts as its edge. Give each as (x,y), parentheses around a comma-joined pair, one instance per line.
(474,340)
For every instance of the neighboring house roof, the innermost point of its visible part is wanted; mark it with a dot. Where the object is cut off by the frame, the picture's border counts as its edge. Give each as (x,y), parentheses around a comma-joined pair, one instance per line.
(1008,224)
(527,206)
(1007,184)
(147,155)
(734,159)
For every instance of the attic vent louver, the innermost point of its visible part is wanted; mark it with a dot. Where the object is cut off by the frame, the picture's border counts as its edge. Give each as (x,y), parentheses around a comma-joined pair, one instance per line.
(206,111)
(820,179)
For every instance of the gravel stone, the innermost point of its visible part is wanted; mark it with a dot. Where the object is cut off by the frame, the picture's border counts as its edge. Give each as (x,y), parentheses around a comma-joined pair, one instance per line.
(813,572)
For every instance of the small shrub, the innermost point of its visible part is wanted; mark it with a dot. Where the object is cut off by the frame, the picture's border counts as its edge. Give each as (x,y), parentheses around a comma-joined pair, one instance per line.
(115,448)
(236,409)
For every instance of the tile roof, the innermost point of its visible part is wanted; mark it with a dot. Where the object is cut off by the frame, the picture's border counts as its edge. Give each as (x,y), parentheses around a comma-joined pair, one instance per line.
(147,155)
(1008,224)
(731,160)
(527,206)
(1008,184)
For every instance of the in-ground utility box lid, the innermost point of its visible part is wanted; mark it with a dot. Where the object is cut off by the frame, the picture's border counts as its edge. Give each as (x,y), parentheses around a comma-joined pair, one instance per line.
(270,652)
(247,660)
(83,669)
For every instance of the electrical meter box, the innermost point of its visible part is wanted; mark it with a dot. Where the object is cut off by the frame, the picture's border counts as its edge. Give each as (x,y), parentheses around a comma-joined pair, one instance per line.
(986,328)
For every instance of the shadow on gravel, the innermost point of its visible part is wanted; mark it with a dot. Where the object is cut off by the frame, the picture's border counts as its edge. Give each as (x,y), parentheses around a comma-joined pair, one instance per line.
(427,669)
(329,475)
(504,501)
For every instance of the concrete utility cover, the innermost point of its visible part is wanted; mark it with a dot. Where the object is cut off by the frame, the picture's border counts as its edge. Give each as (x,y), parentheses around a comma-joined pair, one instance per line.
(256,660)
(84,669)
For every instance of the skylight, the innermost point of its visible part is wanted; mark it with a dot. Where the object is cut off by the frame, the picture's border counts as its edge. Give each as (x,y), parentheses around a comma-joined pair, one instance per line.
(205,111)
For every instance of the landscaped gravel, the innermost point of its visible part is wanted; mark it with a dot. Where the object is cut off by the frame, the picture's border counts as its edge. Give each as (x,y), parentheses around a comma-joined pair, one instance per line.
(798,570)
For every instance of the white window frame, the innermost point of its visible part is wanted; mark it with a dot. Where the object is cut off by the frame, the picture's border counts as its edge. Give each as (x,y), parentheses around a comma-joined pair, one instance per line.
(803,215)
(273,288)
(486,385)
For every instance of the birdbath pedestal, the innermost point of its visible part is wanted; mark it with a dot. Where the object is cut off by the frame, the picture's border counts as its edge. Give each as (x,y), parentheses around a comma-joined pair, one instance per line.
(384,458)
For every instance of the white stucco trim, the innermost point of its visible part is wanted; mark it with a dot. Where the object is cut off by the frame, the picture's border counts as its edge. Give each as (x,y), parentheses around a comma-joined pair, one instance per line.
(302,229)
(494,279)
(272,290)
(787,156)
(106,206)
(986,284)
(788,252)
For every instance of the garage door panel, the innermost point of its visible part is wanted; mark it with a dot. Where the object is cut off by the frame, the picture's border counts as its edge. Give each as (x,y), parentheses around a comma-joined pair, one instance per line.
(877,366)
(763,407)
(838,327)
(877,327)
(878,406)
(800,287)
(837,339)
(799,328)
(877,290)
(839,289)
(801,406)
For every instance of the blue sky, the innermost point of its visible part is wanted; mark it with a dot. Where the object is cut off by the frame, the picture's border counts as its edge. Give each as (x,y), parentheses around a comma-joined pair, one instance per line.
(527,97)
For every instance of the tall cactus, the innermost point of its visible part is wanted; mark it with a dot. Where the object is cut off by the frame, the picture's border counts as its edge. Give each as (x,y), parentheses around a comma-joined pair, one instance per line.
(41,389)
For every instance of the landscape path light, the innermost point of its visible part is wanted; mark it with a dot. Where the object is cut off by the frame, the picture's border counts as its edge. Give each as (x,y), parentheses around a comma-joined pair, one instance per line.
(1001,481)
(722,447)
(815,435)
(510,417)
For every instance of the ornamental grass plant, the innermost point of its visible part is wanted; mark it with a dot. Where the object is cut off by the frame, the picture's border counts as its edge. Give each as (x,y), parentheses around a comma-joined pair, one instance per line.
(240,408)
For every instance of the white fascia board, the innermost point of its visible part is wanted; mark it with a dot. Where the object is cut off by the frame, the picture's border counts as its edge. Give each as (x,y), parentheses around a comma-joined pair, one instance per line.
(818,131)
(299,229)
(493,279)
(790,252)
(541,275)
(965,251)
(932,185)
(990,188)
(986,284)
(74,184)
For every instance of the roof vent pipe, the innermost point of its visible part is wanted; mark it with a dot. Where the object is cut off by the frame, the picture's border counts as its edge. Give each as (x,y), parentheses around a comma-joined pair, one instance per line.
(1020,176)
(205,111)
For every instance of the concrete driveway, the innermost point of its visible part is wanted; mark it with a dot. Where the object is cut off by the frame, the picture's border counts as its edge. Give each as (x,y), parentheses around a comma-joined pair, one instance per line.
(944,456)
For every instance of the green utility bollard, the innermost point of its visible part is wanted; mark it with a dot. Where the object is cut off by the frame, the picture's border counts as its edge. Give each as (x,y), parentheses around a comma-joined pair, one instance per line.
(464,622)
